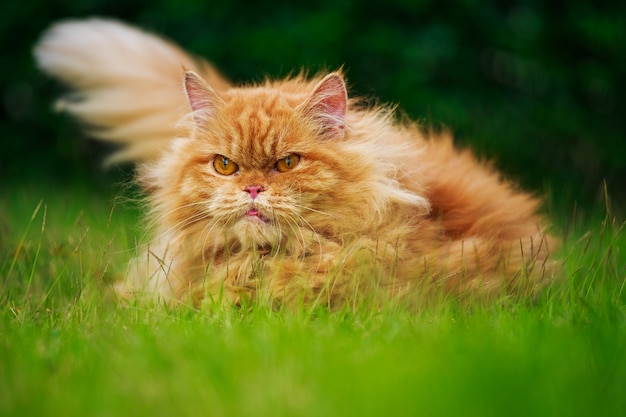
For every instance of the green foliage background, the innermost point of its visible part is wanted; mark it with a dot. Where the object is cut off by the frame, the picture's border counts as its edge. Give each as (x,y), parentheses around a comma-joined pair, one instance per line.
(536,86)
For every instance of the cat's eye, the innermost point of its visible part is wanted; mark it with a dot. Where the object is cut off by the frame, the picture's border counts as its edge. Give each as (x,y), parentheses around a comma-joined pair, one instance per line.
(287,163)
(224,165)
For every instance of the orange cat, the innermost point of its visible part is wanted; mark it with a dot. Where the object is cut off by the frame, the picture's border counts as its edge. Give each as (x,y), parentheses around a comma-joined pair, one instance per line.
(288,190)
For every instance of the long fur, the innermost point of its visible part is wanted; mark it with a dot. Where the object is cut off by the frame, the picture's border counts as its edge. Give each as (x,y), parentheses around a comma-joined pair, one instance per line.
(374,205)
(126,83)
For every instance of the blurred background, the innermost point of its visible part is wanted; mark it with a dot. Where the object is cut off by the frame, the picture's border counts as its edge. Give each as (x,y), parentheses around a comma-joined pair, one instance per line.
(537,87)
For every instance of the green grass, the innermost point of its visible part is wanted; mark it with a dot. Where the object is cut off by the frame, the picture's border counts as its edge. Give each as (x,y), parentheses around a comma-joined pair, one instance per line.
(68,348)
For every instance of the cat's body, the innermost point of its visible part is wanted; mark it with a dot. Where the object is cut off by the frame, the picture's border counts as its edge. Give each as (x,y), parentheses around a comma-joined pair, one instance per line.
(288,190)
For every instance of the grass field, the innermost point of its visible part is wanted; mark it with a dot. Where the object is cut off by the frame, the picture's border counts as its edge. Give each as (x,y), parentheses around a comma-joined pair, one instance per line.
(68,348)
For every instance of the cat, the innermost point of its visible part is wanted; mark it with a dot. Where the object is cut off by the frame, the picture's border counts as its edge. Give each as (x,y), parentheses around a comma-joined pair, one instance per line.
(289,191)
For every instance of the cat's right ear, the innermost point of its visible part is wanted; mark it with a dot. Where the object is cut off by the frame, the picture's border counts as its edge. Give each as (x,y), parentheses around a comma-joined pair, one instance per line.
(203,100)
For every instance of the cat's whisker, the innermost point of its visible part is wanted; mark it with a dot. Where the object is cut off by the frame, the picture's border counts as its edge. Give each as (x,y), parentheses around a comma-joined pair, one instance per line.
(158,219)
(298,218)
(309,226)
(205,234)
(297,233)
(277,216)
(291,234)
(178,227)
(304,243)
(313,210)
(279,226)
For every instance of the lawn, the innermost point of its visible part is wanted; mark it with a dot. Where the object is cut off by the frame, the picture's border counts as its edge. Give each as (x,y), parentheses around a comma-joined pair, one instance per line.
(69,348)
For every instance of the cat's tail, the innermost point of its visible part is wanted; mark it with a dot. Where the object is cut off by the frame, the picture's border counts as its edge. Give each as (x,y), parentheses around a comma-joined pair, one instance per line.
(126,84)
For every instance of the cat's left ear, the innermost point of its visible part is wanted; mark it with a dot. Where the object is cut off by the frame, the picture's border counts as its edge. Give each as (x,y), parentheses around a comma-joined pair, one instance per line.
(327,105)
(202,98)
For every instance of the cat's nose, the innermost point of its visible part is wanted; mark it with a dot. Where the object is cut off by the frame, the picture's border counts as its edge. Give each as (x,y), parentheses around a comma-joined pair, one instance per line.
(254,190)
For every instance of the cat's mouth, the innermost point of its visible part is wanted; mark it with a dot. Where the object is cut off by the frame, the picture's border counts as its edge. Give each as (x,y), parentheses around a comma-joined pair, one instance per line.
(255,214)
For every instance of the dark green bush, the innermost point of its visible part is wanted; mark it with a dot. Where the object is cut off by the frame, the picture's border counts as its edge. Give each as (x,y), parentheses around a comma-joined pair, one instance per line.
(536,86)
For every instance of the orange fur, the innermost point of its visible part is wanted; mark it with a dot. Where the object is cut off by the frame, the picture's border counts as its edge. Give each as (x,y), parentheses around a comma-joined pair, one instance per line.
(372,206)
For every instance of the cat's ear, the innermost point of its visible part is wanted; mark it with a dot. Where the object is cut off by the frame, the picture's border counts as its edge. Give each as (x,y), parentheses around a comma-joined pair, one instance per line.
(203,100)
(327,105)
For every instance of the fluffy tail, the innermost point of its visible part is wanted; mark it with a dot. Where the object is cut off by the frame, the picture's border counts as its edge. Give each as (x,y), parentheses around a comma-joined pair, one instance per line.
(127,85)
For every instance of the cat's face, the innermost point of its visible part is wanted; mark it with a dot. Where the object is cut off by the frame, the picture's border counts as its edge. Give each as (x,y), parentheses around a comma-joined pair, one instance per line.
(277,167)
(256,169)
(265,168)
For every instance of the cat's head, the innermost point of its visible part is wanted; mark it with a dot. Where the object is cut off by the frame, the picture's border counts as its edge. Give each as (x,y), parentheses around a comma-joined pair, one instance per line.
(272,164)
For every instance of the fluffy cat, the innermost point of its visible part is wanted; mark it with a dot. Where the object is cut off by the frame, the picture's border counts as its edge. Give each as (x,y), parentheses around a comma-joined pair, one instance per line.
(289,190)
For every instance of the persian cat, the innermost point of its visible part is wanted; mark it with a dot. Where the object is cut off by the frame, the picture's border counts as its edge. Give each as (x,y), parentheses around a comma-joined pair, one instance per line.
(288,190)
